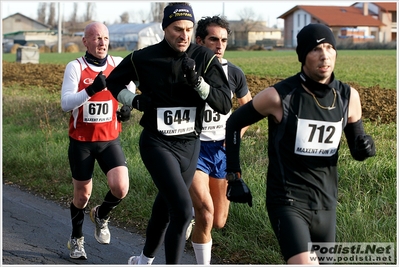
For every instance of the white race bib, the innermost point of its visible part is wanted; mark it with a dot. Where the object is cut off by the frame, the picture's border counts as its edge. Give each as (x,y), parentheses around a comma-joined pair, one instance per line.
(176,120)
(213,120)
(317,138)
(213,125)
(97,111)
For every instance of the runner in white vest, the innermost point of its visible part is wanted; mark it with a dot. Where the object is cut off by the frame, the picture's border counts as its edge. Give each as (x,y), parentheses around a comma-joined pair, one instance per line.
(208,190)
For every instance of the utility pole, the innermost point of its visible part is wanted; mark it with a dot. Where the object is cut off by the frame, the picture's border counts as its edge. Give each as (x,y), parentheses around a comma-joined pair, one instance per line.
(59,28)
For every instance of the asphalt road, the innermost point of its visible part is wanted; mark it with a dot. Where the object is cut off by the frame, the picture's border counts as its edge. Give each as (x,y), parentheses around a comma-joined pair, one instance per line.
(36,230)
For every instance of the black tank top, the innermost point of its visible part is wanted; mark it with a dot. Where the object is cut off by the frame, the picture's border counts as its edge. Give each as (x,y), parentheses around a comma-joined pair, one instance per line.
(303,147)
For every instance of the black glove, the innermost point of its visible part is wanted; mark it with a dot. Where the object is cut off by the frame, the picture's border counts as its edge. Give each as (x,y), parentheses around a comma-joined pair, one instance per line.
(188,67)
(141,102)
(98,84)
(124,113)
(364,147)
(237,190)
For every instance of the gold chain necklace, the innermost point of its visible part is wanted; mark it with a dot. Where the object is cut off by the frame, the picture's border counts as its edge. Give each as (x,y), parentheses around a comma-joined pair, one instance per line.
(323,107)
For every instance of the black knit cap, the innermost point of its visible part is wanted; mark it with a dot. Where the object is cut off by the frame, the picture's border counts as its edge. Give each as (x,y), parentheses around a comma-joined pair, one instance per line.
(179,11)
(311,36)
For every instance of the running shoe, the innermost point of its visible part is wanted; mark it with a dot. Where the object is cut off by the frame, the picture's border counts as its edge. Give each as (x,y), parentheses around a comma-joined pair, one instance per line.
(190,229)
(133,260)
(76,248)
(101,233)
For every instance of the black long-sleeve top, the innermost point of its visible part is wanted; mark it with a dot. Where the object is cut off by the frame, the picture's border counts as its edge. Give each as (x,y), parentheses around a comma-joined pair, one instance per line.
(157,72)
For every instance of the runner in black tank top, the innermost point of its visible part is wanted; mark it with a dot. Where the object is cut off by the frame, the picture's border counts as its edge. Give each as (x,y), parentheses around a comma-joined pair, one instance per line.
(307,114)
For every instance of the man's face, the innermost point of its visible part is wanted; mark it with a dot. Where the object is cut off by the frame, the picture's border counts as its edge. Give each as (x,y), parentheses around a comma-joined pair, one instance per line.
(178,34)
(96,41)
(320,62)
(216,40)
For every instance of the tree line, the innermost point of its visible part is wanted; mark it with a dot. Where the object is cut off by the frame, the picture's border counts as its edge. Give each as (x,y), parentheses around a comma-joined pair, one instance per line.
(47,13)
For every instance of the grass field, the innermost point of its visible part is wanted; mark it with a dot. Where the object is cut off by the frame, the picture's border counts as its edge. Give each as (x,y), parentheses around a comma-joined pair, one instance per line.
(35,144)
(361,66)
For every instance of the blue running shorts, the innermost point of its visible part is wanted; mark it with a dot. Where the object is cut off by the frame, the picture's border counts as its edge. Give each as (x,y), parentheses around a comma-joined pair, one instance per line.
(212,159)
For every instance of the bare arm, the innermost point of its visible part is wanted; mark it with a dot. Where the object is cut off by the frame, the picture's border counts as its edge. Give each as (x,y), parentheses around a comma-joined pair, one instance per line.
(355,107)
(268,103)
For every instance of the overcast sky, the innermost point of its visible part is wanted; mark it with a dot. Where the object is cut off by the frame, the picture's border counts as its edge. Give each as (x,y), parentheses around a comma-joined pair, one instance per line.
(109,11)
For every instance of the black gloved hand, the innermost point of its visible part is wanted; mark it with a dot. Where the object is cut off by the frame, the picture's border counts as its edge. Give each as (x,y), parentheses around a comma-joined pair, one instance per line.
(141,102)
(188,67)
(98,84)
(237,190)
(124,113)
(364,146)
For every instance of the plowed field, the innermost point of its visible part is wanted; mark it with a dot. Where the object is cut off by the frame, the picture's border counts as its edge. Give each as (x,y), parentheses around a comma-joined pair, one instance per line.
(379,104)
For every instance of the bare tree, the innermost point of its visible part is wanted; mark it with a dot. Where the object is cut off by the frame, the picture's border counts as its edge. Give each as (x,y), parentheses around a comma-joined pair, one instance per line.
(249,18)
(157,11)
(51,18)
(41,12)
(249,21)
(90,8)
(74,14)
(248,15)
(124,17)
(140,16)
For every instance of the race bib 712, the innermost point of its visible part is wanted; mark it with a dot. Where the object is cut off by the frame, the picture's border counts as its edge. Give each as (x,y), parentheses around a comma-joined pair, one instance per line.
(317,138)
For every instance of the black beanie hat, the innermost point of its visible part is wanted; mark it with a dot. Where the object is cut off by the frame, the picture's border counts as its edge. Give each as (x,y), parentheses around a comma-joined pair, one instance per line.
(311,36)
(173,13)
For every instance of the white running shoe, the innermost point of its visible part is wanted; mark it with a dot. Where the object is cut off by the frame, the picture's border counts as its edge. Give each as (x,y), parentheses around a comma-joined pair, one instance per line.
(190,229)
(133,260)
(101,233)
(76,248)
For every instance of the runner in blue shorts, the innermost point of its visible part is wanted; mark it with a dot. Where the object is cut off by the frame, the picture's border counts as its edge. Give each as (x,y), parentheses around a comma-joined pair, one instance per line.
(212,159)
(208,190)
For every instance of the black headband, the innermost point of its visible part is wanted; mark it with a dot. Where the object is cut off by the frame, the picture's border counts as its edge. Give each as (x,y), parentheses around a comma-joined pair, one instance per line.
(177,12)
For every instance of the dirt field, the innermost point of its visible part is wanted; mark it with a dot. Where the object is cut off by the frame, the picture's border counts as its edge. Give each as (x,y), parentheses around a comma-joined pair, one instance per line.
(379,105)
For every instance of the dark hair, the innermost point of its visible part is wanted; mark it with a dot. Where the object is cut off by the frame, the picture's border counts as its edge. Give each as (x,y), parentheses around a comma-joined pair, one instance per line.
(204,22)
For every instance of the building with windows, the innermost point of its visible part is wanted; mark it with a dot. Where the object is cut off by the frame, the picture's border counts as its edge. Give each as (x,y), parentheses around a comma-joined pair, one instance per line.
(367,21)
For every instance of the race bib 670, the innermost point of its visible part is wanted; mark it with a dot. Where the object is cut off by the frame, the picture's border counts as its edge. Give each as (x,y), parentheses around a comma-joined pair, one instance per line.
(97,111)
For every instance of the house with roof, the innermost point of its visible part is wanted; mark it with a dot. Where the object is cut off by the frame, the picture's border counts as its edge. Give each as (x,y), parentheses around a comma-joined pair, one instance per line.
(248,32)
(22,30)
(360,22)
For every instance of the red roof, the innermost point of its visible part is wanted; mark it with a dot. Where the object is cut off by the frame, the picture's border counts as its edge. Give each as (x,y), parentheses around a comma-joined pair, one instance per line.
(338,16)
(386,6)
